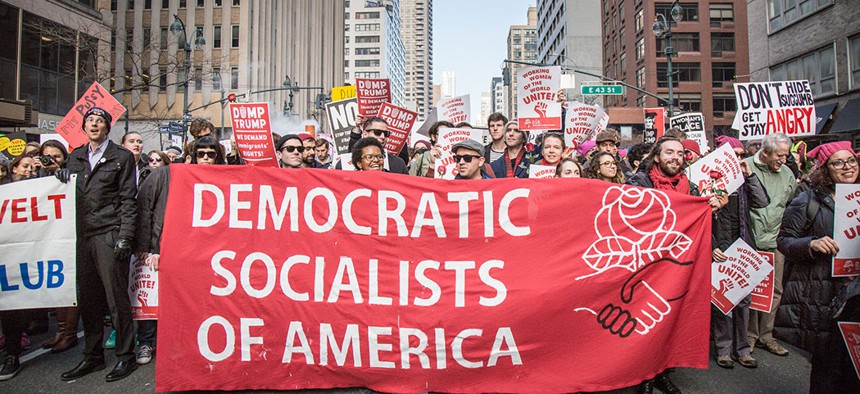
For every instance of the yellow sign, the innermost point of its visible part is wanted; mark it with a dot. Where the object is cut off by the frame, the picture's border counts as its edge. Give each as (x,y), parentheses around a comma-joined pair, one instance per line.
(342,93)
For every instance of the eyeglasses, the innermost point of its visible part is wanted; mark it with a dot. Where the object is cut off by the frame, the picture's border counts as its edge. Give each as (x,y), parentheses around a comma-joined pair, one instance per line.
(211,154)
(467,158)
(840,164)
(378,133)
(373,157)
(609,164)
(155,159)
(291,149)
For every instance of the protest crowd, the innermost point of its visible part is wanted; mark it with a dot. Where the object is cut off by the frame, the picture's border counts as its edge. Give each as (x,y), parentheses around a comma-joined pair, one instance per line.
(785,207)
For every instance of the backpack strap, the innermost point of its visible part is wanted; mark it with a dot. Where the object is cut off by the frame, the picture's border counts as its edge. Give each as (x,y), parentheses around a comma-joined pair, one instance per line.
(812,208)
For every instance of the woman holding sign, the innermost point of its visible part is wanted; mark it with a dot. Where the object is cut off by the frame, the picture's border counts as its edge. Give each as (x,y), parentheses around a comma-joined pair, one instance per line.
(805,317)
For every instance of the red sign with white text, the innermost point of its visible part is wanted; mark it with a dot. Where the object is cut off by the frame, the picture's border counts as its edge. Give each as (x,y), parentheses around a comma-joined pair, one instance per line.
(326,279)
(371,93)
(846,230)
(851,336)
(655,124)
(252,129)
(537,88)
(761,298)
(96,96)
(400,123)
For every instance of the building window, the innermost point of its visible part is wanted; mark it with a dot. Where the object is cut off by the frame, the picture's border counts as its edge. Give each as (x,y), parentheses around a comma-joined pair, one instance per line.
(147,4)
(234,78)
(623,59)
(180,81)
(367,51)
(218,3)
(234,39)
(621,37)
(129,39)
(198,78)
(721,13)
(640,49)
(782,13)
(690,11)
(216,79)
(216,36)
(681,42)
(637,20)
(162,79)
(723,104)
(147,38)
(182,3)
(162,38)
(722,73)
(367,63)
(235,3)
(818,67)
(200,3)
(687,102)
(367,27)
(367,15)
(722,42)
(640,77)
(684,72)
(640,102)
(165,4)
(854,60)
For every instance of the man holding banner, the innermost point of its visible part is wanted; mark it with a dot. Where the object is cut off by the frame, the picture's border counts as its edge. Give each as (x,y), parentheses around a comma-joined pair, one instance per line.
(106,213)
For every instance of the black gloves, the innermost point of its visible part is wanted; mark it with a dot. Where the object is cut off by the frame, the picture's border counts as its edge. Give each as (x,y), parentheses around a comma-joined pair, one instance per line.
(122,250)
(63,174)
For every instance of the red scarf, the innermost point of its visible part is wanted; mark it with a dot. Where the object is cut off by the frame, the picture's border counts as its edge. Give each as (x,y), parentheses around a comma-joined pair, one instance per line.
(543,162)
(677,183)
(513,163)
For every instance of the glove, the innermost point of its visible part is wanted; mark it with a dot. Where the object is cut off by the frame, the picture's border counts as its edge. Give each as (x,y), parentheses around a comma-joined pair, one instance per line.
(122,250)
(63,174)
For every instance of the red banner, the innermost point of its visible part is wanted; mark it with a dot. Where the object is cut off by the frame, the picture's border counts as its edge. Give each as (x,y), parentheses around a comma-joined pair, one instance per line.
(371,93)
(400,121)
(761,298)
(96,96)
(274,279)
(252,129)
(655,124)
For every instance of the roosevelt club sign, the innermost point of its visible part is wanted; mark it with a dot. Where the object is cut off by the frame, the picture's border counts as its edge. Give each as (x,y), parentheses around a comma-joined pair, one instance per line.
(323,279)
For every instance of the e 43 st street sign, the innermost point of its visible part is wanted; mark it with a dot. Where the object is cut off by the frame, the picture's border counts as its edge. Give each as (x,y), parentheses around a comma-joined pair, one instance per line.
(614,90)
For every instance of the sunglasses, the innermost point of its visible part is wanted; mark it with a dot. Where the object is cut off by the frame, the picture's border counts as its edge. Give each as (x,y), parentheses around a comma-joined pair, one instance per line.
(291,149)
(211,154)
(378,133)
(467,158)
(155,160)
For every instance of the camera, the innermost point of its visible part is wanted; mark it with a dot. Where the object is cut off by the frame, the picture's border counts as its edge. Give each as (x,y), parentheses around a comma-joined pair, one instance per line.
(46,160)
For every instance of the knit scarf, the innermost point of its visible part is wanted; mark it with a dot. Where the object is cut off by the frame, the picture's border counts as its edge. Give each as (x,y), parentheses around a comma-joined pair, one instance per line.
(513,163)
(677,183)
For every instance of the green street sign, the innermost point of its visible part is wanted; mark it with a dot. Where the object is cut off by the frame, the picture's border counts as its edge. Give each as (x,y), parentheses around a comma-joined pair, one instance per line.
(614,90)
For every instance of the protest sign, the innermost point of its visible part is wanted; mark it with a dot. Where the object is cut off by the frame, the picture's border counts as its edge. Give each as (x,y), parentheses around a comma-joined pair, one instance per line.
(339,93)
(761,298)
(12,144)
(655,124)
(327,279)
(720,170)
(252,130)
(341,117)
(454,109)
(446,168)
(432,118)
(70,128)
(735,278)
(371,93)
(582,121)
(37,244)
(345,161)
(765,108)
(538,171)
(846,230)
(692,124)
(400,121)
(143,289)
(851,335)
(537,89)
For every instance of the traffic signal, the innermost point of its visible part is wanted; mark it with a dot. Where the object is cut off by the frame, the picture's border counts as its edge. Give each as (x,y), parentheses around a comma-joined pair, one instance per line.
(231,97)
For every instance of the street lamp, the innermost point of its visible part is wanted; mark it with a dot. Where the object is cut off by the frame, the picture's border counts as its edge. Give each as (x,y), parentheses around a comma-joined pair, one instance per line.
(292,86)
(663,29)
(178,28)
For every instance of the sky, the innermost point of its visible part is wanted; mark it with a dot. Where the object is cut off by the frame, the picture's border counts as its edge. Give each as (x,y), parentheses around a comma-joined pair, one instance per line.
(470,38)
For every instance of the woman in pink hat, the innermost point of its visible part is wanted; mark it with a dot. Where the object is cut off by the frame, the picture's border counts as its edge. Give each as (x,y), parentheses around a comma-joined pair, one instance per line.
(806,314)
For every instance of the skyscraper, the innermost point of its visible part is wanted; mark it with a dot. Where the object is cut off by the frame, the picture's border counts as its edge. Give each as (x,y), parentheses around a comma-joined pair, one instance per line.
(522,46)
(417,34)
(498,90)
(374,45)
(449,84)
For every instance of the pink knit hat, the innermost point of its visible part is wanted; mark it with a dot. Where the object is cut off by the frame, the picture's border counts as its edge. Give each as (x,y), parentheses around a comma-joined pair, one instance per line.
(733,142)
(585,146)
(823,152)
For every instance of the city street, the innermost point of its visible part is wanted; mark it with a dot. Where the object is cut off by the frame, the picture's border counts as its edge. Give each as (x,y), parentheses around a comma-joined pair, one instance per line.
(41,374)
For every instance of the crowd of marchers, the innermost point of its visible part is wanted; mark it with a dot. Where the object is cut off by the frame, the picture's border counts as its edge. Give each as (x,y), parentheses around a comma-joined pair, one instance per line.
(785,206)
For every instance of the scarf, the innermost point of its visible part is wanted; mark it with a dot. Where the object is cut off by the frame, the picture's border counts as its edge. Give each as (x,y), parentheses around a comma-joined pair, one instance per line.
(543,162)
(512,168)
(677,183)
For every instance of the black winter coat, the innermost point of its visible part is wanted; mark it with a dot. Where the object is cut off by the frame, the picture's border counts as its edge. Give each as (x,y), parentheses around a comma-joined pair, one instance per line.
(733,222)
(805,311)
(105,195)
(152,202)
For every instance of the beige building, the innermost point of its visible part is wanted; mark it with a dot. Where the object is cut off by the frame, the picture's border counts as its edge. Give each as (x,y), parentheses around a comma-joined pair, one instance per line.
(519,36)
(417,34)
(247,46)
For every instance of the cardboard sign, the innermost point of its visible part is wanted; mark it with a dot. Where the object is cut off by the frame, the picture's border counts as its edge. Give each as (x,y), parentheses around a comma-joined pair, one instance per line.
(723,160)
(538,171)
(371,93)
(37,244)
(655,124)
(761,298)
(582,121)
(143,289)
(96,96)
(342,93)
(341,117)
(846,230)
(400,121)
(765,108)
(735,278)
(454,109)
(446,168)
(12,144)
(537,88)
(851,335)
(432,118)
(692,124)
(252,130)
(329,279)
